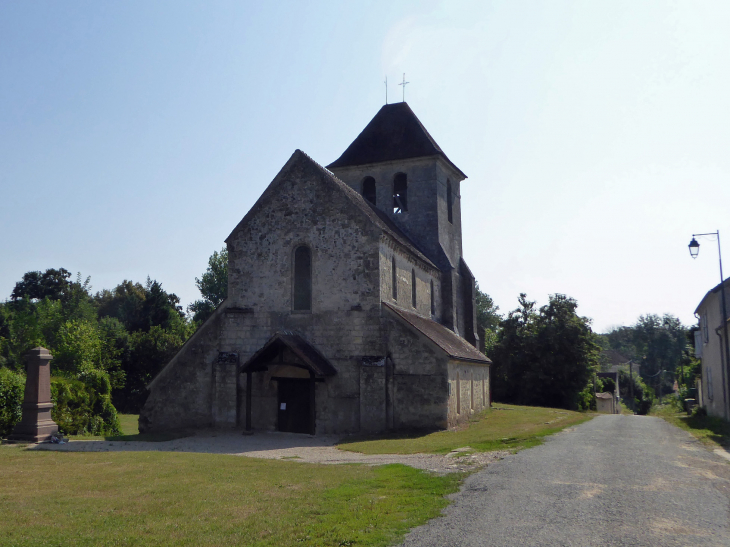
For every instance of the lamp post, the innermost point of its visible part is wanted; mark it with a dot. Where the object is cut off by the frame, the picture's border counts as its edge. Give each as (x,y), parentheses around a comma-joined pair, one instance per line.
(694,250)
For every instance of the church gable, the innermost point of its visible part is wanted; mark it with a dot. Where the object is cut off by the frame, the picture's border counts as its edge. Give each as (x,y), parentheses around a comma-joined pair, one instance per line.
(304,211)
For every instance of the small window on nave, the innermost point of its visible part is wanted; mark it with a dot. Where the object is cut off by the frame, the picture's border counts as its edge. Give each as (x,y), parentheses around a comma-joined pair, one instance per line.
(368,189)
(413,288)
(302,279)
(400,193)
(433,300)
(449,201)
(394,279)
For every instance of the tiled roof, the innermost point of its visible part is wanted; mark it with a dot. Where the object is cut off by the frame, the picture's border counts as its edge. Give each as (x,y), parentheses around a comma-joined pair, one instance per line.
(454,345)
(395,133)
(307,353)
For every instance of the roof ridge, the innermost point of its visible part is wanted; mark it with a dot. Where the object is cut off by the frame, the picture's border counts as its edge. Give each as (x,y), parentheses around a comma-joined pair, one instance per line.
(394,134)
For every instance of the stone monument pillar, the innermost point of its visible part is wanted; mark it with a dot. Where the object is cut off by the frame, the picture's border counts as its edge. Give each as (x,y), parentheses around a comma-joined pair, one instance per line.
(36,424)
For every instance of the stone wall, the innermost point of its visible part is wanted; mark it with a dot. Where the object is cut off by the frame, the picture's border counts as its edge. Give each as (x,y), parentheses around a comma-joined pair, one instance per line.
(425,275)
(426,220)
(420,389)
(468,390)
(181,395)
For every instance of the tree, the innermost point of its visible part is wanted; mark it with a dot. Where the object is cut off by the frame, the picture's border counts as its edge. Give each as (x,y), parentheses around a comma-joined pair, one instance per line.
(544,358)
(213,286)
(657,343)
(488,319)
(140,307)
(37,286)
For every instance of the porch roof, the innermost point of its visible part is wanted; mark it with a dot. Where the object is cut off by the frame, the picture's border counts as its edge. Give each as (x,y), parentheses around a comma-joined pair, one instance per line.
(309,356)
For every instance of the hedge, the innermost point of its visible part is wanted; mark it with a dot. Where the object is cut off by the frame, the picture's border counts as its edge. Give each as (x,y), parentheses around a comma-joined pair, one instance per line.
(80,407)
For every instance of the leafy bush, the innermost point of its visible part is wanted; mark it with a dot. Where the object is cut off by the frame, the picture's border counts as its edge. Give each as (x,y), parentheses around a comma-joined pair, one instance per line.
(12,387)
(699,412)
(643,394)
(587,397)
(80,409)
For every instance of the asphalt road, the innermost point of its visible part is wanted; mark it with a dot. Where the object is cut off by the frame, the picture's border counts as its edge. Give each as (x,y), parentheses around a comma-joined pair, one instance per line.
(615,480)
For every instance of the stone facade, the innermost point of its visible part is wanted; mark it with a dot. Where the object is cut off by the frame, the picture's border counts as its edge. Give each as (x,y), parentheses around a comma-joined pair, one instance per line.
(710,347)
(377,345)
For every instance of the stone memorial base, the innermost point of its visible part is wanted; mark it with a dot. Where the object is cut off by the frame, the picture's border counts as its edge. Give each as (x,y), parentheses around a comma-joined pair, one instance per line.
(36,424)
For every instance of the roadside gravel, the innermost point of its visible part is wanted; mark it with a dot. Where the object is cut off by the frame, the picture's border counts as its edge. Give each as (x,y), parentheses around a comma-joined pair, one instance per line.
(288,446)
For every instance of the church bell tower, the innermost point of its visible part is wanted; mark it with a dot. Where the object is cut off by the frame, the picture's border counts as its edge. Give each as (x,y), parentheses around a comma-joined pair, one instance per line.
(398,167)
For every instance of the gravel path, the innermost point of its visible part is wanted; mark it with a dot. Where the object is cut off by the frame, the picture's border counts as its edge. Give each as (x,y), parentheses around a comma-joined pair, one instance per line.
(286,446)
(615,480)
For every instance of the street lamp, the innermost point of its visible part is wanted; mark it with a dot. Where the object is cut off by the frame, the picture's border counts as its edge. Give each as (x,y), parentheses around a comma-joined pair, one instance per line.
(694,250)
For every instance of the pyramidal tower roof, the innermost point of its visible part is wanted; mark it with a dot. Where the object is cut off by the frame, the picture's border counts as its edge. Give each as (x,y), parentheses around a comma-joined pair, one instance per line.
(395,133)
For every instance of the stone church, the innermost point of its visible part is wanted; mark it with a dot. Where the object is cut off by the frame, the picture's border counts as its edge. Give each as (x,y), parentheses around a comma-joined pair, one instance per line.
(350,307)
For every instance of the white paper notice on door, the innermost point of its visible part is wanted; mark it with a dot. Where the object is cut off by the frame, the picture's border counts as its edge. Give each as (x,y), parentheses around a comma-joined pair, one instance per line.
(282,406)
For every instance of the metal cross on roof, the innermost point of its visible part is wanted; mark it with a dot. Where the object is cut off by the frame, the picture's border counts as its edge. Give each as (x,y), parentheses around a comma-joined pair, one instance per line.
(404,83)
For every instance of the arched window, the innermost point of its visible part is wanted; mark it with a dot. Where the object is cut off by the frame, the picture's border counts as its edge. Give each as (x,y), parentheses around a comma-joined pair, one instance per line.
(302,279)
(413,287)
(433,300)
(449,201)
(400,193)
(368,189)
(394,280)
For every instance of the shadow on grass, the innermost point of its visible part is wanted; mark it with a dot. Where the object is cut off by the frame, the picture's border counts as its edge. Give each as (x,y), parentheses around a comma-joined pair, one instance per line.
(714,429)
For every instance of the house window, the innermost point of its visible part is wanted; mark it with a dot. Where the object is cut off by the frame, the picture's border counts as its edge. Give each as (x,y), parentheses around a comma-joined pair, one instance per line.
(400,193)
(705,328)
(368,189)
(449,202)
(394,280)
(433,300)
(413,287)
(302,279)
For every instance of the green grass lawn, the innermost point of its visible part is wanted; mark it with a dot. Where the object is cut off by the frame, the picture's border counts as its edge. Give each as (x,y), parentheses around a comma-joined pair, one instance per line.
(171,498)
(164,498)
(712,432)
(129,423)
(503,427)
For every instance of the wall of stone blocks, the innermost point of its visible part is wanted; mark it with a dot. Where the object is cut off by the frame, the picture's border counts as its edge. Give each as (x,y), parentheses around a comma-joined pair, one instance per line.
(420,387)
(424,276)
(342,337)
(373,397)
(225,394)
(181,396)
(301,207)
(426,220)
(468,390)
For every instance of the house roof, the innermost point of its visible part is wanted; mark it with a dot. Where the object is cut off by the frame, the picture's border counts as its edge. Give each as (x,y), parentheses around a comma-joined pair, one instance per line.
(395,133)
(451,343)
(714,290)
(306,352)
(299,161)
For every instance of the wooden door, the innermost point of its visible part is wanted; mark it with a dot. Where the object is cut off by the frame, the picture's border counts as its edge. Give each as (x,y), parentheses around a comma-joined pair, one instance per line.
(294,409)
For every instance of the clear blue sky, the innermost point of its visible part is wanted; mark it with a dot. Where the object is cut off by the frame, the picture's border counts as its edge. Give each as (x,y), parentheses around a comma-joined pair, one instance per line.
(135,135)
